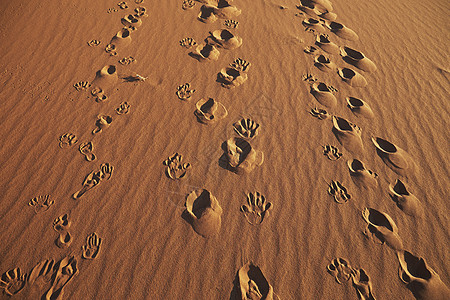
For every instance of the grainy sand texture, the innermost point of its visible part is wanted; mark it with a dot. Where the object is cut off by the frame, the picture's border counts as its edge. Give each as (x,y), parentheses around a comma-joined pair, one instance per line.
(224,149)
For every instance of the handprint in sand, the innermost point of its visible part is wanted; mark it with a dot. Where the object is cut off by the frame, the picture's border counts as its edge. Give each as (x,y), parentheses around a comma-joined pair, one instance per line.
(92,247)
(256,208)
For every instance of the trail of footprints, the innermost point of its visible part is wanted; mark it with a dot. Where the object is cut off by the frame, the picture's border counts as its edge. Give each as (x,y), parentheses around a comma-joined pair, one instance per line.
(50,276)
(320,20)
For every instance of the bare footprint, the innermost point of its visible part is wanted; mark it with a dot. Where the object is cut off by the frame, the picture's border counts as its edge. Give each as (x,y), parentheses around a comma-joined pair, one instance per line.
(140,11)
(123,108)
(102,122)
(381,228)
(41,203)
(231,24)
(253,284)
(187,4)
(340,269)
(256,208)
(246,128)
(67,140)
(241,156)
(92,180)
(188,43)
(98,94)
(42,272)
(352,77)
(331,152)
(339,192)
(65,270)
(175,168)
(61,225)
(319,113)
(205,52)
(362,284)
(184,91)
(93,43)
(82,85)
(348,134)
(111,49)
(87,150)
(92,247)
(323,93)
(12,281)
(361,176)
(209,111)
(404,199)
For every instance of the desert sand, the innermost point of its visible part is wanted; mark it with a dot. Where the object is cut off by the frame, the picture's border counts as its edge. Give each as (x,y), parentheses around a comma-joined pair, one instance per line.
(278,149)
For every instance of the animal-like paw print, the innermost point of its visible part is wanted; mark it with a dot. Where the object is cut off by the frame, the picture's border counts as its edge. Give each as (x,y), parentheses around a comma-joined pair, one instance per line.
(309,77)
(123,108)
(67,140)
(184,92)
(188,43)
(138,1)
(12,281)
(41,203)
(256,208)
(333,89)
(331,152)
(176,169)
(339,192)
(127,60)
(111,49)
(92,247)
(319,113)
(99,94)
(187,4)
(93,43)
(231,24)
(111,10)
(87,150)
(310,50)
(240,65)
(82,85)
(246,128)
(340,269)
(122,5)
(140,11)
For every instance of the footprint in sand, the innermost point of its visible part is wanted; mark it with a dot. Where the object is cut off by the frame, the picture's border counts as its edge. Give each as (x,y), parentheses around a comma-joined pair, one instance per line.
(361,176)
(61,225)
(67,140)
(92,247)
(82,85)
(86,149)
(397,159)
(122,38)
(102,122)
(331,152)
(308,77)
(188,43)
(352,77)
(241,156)
(314,25)
(138,1)
(318,8)
(13,281)
(93,43)
(340,269)
(246,128)
(359,107)
(231,24)
(94,178)
(362,284)
(111,10)
(420,278)
(209,111)
(310,50)
(203,212)
(127,60)
(175,168)
(206,14)
(122,5)
(319,113)
(252,283)
(256,208)
(357,59)
(123,109)
(324,43)
(42,272)
(99,94)
(65,270)
(41,203)
(324,63)
(339,192)
(187,4)
(205,52)
(381,228)
(324,94)
(235,74)
(111,49)
(404,199)
(224,38)
(348,134)
(106,77)
(184,91)
(341,31)
(132,22)
(140,12)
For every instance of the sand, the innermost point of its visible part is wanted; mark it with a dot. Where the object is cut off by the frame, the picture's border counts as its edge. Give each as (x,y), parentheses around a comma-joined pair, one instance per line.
(126,234)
